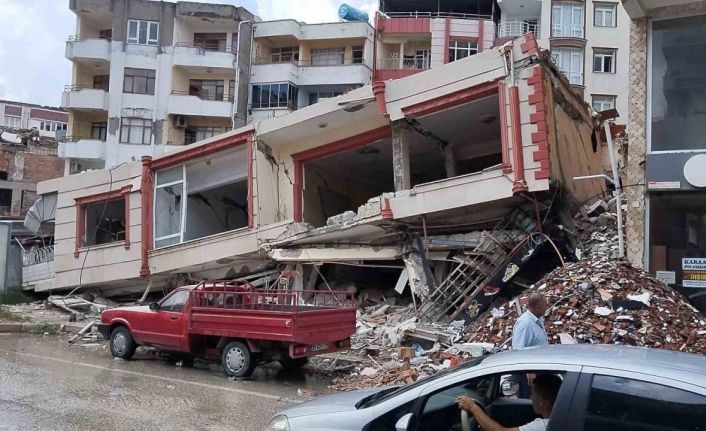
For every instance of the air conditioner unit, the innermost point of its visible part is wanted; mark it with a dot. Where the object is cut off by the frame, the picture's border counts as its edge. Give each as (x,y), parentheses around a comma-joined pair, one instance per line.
(180,121)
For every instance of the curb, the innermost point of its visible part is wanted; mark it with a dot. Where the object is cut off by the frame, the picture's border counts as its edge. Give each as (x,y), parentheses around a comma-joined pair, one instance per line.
(39,328)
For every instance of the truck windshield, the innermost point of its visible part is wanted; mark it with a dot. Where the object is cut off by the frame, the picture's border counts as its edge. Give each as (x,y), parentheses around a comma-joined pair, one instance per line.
(175,302)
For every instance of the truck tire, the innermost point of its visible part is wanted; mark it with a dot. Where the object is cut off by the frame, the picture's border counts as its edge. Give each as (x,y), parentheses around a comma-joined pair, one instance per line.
(122,345)
(289,363)
(237,360)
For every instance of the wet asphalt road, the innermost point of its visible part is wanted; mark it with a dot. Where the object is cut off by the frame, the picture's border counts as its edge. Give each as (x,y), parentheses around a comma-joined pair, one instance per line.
(47,384)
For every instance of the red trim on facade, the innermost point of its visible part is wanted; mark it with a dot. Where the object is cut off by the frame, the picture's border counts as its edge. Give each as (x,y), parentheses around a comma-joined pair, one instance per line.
(447,39)
(519,185)
(530,46)
(251,210)
(538,118)
(386,212)
(191,153)
(388,74)
(481,24)
(83,201)
(146,193)
(451,100)
(399,25)
(379,92)
(542,174)
(322,151)
(507,167)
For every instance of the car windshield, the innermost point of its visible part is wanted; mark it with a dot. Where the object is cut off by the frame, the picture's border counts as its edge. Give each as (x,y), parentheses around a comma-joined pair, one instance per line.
(388,393)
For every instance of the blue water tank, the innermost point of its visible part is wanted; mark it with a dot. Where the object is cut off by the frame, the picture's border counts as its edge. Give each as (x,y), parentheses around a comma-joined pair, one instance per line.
(349,13)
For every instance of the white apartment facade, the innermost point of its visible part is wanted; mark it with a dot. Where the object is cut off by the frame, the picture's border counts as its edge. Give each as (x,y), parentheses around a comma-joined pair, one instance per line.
(49,121)
(148,77)
(589,41)
(297,64)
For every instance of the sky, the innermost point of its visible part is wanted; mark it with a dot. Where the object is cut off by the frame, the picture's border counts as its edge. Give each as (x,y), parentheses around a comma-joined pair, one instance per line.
(33,68)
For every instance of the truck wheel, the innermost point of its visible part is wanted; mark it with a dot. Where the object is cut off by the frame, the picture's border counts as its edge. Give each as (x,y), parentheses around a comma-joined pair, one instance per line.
(237,360)
(289,363)
(122,345)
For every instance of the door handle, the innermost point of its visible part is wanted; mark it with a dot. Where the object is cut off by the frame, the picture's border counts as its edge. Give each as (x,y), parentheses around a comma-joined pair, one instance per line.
(173,318)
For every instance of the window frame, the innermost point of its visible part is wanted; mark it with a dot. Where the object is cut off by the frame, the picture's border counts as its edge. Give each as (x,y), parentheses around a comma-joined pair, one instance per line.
(172,295)
(133,75)
(602,8)
(613,98)
(455,49)
(15,120)
(137,39)
(81,203)
(358,54)
(571,52)
(146,124)
(602,54)
(101,127)
(196,88)
(206,131)
(557,29)
(332,56)
(280,54)
(292,96)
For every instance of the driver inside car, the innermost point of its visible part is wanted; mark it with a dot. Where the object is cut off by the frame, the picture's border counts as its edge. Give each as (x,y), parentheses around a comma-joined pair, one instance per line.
(545,388)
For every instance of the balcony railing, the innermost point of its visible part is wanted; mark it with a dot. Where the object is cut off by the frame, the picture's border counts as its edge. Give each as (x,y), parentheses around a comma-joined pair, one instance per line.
(80,38)
(81,138)
(419,63)
(514,27)
(567,30)
(204,95)
(77,87)
(208,47)
(417,14)
(37,256)
(310,62)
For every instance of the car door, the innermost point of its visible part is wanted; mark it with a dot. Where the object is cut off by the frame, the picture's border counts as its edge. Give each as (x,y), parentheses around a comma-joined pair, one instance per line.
(608,400)
(169,322)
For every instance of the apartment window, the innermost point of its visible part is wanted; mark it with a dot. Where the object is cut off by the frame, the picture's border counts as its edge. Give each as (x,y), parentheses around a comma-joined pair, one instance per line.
(12,122)
(142,32)
(459,49)
(196,134)
(105,222)
(604,60)
(602,103)
(567,19)
(358,55)
(328,56)
(282,95)
(604,15)
(101,82)
(285,54)
(322,95)
(106,34)
(139,81)
(678,98)
(135,131)
(570,62)
(211,41)
(3,175)
(5,200)
(206,89)
(231,90)
(99,131)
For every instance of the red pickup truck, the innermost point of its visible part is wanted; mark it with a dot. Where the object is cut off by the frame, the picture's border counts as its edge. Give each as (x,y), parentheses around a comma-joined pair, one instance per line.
(233,322)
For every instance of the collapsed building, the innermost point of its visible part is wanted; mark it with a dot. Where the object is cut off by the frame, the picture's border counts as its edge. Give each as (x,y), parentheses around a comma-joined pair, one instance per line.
(452,185)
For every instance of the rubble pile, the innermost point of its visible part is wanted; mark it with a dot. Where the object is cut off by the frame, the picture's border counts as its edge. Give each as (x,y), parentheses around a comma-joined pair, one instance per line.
(597,227)
(597,300)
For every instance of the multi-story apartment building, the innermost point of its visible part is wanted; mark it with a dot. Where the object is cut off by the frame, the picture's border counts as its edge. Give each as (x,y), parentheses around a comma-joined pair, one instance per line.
(666,212)
(589,42)
(152,76)
(297,64)
(49,121)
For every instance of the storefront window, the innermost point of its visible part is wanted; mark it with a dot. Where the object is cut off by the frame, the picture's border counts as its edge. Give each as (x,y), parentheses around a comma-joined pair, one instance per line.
(678,84)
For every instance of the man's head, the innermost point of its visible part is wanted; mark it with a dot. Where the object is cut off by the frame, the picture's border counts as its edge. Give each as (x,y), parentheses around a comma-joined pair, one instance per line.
(537,304)
(545,388)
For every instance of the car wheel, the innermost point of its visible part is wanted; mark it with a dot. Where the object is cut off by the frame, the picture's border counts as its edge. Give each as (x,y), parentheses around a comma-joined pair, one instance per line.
(122,345)
(237,360)
(289,363)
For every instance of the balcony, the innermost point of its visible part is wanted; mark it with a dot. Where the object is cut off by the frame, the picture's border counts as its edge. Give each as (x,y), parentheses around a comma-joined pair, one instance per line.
(188,54)
(183,103)
(84,97)
(396,68)
(304,72)
(265,71)
(516,27)
(82,148)
(87,49)
(38,266)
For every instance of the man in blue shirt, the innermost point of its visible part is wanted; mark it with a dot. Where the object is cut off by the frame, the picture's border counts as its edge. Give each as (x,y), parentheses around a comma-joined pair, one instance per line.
(529,328)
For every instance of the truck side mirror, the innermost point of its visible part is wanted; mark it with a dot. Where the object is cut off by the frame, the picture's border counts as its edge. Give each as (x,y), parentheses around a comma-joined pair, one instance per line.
(154,306)
(403,424)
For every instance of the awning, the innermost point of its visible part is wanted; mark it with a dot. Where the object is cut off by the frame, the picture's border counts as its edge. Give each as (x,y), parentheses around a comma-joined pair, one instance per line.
(43,210)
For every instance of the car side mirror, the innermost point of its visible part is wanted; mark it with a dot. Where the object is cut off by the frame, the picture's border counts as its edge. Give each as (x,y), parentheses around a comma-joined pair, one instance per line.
(154,306)
(510,387)
(403,424)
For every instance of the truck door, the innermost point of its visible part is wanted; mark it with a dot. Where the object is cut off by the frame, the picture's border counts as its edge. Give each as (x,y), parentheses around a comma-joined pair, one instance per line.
(169,327)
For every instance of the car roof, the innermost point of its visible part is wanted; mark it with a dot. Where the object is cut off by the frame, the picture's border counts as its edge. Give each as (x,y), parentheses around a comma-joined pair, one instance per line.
(635,359)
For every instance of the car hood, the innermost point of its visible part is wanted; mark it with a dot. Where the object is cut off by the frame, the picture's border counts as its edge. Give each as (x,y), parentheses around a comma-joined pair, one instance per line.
(344,401)
(112,313)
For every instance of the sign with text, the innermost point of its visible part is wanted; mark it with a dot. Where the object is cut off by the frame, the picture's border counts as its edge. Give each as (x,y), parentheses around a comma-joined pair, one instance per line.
(693,272)
(667,277)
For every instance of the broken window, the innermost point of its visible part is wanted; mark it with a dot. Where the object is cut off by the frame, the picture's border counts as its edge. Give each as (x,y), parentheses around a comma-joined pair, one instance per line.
(5,201)
(105,222)
(142,32)
(206,89)
(328,56)
(211,41)
(216,189)
(459,49)
(139,81)
(136,131)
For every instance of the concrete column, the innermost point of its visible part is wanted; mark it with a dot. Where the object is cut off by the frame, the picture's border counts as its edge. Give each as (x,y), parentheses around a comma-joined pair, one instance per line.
(449,161)
(400,156)
(402,55)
